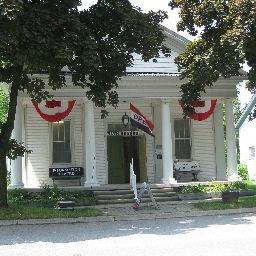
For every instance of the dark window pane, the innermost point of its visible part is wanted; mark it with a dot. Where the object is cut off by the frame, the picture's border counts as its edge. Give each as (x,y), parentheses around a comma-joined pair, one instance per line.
(55,132)
(186,129)
(61,132)
(61,143)
(182,149)
(182,139)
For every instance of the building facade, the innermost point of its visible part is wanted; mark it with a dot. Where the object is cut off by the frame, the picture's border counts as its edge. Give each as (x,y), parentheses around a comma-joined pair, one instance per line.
(105,147)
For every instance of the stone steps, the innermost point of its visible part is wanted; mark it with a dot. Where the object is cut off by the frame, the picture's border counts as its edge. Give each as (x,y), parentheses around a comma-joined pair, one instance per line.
(119,196)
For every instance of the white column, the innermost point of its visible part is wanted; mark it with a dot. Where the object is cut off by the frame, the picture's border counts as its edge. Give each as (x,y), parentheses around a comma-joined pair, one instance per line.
(219,142)
(167,144)
(89,146)
(231,141)
(16,165)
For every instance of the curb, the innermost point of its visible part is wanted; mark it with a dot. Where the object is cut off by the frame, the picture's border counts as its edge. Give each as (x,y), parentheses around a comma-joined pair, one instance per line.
(146,216)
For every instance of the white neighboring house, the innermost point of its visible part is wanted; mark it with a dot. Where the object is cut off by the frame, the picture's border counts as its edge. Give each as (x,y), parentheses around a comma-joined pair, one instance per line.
(101,147)
(247,138)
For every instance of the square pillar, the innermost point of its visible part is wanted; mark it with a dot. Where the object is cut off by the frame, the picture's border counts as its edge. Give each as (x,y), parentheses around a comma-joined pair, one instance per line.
(231,142)
(219,143)
(167,144)
(16,165)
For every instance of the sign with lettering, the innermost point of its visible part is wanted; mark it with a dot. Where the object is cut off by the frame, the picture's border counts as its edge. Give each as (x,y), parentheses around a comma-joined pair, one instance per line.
(123,133)
(66,172)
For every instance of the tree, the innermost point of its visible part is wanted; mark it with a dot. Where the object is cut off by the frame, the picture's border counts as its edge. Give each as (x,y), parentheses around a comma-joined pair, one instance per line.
(227,41)
(3,107)
(44,36)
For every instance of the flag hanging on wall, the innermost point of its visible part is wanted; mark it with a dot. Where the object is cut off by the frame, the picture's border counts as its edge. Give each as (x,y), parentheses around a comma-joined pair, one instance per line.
(54,110)
(140,121)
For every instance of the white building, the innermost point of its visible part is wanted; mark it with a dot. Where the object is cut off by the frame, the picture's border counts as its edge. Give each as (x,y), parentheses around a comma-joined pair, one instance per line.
(247,138)
(85,140)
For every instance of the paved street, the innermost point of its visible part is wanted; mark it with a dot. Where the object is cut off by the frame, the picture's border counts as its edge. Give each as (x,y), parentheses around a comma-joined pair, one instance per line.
(205,235)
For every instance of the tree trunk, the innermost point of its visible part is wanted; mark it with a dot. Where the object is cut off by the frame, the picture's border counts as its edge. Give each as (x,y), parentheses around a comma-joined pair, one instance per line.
(5,134)
(3,182)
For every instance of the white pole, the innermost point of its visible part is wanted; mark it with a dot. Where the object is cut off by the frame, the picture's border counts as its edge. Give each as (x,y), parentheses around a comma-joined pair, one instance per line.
(89,146)
(231,141)
(16,165)
(167,144)
(219,142)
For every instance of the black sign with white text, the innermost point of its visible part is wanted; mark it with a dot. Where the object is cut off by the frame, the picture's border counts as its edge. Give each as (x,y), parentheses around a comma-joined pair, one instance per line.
(66,171)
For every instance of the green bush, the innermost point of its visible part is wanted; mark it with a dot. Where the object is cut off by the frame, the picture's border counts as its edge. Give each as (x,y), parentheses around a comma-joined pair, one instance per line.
(48,197)
(192,189)
(213,188)
(243,171)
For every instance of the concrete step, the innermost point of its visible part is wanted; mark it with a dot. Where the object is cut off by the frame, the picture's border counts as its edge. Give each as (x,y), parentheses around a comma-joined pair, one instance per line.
(162,190)
(144,200)
(131,195)
(129,191)
(109,196)
(121,195)
(113,192)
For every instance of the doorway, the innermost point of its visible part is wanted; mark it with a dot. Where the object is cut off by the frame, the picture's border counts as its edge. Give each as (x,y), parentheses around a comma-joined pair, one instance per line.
(121,150)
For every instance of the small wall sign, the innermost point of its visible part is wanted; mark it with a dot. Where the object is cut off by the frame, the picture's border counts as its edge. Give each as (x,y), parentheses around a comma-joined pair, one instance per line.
(123,133)
(66,171)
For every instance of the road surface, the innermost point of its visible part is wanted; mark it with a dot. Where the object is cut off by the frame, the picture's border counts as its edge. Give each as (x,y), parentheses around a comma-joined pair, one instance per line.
(229,235)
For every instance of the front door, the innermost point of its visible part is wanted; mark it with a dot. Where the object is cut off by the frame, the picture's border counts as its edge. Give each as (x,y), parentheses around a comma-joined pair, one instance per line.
(121,150)
(116,160)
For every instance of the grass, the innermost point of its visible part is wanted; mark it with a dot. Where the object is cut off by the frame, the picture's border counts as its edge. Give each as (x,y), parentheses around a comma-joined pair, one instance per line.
(251,185)
(14,212)
(243,202)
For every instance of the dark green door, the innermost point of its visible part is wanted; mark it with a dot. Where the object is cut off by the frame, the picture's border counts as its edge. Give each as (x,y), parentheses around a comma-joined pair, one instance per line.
(121,150)
(116,168)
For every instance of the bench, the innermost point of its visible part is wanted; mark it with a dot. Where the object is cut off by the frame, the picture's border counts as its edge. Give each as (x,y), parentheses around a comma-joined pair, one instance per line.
(182,169)
(66,173)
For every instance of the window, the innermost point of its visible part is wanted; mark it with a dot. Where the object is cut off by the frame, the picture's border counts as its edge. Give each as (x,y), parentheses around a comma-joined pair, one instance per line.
(251,153)
(182,139)
(61,146)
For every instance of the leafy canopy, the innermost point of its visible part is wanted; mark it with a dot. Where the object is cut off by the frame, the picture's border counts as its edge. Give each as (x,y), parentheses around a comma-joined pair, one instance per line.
(227,41)
(96,45)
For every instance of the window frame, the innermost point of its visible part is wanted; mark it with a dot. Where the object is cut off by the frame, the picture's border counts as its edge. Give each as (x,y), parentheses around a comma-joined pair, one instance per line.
(190,139)
(252,156)
(71,145)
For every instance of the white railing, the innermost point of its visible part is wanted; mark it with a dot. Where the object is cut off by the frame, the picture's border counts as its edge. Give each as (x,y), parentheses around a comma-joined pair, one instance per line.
(133,181)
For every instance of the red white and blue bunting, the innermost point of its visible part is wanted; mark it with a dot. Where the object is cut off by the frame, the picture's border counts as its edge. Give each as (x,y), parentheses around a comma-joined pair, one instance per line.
(203,109)
(54,110)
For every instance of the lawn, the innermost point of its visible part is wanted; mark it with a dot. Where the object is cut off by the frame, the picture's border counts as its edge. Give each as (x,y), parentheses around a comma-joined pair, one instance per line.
(251,185)
(243,202)
(14,212)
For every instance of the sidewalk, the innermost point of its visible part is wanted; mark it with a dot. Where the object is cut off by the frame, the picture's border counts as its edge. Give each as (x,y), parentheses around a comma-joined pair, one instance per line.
(125,212)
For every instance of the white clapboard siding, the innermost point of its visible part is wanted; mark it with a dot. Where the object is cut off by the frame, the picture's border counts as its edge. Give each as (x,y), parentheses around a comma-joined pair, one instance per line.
(100,142)
(202,138)
(115,116)
(163,65)
(247,139)
(203,142)
(204,148)
(38,140)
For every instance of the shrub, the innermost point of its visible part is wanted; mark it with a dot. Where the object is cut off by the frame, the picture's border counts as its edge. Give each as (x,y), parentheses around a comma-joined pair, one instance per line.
(213,188)
(243,171)
(48,197)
